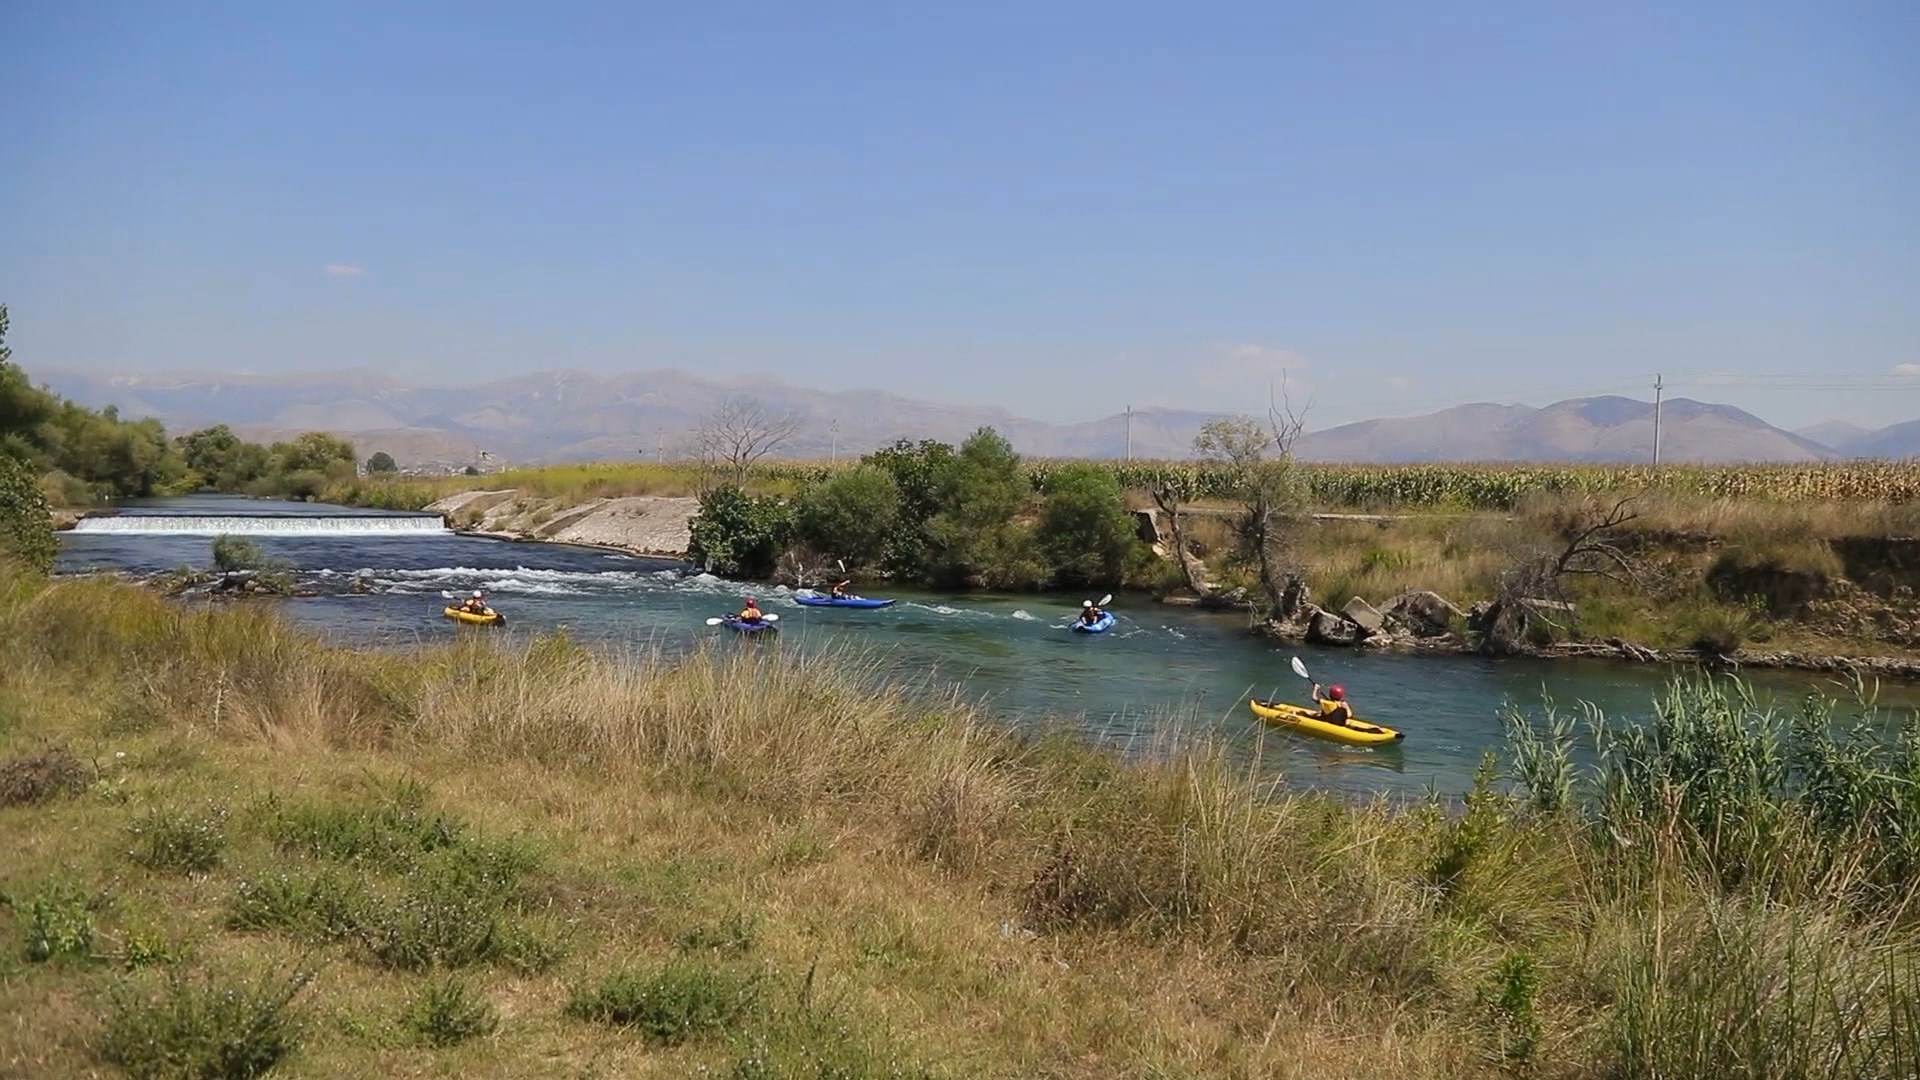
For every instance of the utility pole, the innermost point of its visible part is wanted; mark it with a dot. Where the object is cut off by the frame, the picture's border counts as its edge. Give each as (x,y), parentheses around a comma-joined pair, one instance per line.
(833,446)
(1657,387)
(1129,433)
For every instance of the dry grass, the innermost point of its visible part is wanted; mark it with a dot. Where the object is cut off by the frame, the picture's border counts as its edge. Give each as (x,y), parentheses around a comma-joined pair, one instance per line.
(921,886)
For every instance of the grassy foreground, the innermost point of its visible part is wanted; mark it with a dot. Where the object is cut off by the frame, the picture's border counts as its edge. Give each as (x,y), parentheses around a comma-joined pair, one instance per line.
(232,847)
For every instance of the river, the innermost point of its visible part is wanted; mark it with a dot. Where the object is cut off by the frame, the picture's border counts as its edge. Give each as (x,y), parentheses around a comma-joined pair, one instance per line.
(1162,671)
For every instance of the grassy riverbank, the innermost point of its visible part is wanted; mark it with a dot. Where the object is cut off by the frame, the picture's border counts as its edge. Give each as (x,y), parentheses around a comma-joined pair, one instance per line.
(511,860)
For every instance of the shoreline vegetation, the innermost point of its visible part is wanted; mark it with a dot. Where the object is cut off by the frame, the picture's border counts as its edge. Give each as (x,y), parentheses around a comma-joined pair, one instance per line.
(236,847)
(1810,567)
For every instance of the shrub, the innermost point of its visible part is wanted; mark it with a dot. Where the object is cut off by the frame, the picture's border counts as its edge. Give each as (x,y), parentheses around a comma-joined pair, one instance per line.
(180,842)
(396,832)
(450,913)
(26,525)
(1085,531)
(234,553)
(851,514)
(318,908)
(213,1028)
(448,1011)
(739,534)
(58,924)
(41,777)
(381,462)
(681,1001)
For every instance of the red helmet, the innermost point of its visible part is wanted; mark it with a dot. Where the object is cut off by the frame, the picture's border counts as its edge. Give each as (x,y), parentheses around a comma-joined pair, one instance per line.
(1337,693)
(751,600)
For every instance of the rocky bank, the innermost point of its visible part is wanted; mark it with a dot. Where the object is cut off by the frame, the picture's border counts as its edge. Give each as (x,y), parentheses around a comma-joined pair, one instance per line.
(639,525)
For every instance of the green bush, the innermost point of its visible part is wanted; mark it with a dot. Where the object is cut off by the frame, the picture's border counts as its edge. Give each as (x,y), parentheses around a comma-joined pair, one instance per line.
(212,1028)
(26,529)
(58,923)
(679,1002)
(381,462)
(395,832)
(1085,531)
(317,908)
(851,514)
(448,1011)
(739,534)
(179,841)
(234,553)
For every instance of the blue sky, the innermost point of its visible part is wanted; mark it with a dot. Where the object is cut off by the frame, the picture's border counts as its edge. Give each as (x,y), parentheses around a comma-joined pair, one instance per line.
(1060,209)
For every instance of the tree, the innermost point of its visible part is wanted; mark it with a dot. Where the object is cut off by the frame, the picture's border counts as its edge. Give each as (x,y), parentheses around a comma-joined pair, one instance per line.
(974,538)
(26,527)
(220,460)
(851,514)
(734,533)
(1257,459)
(1085,530)
(23,407)
(919,471)
(739,433)
(381,462)
(1536,584)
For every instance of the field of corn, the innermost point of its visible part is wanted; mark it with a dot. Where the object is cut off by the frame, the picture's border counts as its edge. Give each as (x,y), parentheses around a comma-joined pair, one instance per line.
(1427,486)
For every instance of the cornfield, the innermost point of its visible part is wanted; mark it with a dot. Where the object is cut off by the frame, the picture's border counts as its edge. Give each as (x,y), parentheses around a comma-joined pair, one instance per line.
(1425,486)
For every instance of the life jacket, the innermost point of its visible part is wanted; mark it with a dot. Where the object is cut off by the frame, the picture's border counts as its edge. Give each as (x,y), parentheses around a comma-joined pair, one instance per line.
(1335,710)
(751,614)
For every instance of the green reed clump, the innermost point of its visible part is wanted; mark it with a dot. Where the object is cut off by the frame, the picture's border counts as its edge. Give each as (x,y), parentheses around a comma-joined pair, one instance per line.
(180,841)
(681,1001)
(213,1028)
(449,1011)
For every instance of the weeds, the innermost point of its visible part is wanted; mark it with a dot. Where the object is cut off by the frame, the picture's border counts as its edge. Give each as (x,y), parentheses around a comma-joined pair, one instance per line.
(212,1028)
(448,1011)
(180,842)
(59,923)
(395,833)
(315,908)
(681,1001)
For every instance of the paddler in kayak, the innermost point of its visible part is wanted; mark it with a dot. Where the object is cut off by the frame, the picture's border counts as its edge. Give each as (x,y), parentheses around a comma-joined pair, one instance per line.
(476,604)
(1090,612)
(840,591)
(1333,707)
(751,613)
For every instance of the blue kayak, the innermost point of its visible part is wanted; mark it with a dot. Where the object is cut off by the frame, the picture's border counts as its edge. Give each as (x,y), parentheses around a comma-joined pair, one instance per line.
(841,601)
(1099,626)
(749,627)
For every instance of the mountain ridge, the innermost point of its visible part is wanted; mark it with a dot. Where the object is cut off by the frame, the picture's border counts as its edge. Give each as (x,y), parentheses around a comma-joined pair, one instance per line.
(571,415)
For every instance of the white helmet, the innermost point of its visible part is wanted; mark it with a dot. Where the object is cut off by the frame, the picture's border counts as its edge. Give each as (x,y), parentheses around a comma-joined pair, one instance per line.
(1086,603)
(476,594)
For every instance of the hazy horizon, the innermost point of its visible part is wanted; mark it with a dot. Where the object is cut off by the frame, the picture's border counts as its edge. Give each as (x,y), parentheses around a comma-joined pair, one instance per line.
(1051,211)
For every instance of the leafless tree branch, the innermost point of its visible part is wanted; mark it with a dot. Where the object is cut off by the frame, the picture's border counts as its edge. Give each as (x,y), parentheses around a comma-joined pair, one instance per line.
(739,433)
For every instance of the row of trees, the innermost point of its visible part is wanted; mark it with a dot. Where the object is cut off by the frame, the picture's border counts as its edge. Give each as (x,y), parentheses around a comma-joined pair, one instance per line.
(929,512)
(83,455)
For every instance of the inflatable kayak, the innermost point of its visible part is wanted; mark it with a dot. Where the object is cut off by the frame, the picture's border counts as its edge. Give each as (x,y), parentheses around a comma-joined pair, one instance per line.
(1308,722)
(841,601)
(749,628)
(491,618)
(1098,626)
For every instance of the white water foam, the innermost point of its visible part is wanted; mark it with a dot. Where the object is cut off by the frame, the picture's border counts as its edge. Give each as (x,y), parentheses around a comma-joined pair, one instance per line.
(195,525)
(1023,616)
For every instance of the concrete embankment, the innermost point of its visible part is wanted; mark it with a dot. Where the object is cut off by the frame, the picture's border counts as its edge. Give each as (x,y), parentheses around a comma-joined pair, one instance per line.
(640,524)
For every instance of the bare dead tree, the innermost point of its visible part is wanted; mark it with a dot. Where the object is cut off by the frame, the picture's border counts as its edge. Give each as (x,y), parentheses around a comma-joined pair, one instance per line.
(1534,589)
(1169,494)
(739,433)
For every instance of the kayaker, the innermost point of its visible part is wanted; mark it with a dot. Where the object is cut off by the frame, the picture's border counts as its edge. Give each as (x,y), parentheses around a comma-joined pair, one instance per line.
(840,591)
(1333,707)
(475,604)
(1090,612)
(751,613)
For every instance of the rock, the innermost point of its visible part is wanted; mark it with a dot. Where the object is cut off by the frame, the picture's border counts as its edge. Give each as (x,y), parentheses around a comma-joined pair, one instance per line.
(1146,525)
(1364,615)
(1326,628)
(1426,614)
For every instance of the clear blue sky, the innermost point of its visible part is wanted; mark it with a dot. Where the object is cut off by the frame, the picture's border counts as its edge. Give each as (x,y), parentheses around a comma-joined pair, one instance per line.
(1058,209)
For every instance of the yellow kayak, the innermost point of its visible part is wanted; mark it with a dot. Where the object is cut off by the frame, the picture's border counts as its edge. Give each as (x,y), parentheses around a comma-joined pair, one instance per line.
(1308,722)
(489,619)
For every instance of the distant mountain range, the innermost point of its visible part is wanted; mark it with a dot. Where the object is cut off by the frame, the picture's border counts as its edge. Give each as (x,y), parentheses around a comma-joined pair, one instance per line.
(576,416)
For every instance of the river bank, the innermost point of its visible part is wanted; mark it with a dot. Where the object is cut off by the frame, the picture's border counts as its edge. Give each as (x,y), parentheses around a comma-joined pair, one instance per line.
(1837,632)
(497,857)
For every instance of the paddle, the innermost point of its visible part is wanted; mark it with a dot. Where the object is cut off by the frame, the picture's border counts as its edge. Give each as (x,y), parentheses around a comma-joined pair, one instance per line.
(1104,601)
(765,618)
(1353,722)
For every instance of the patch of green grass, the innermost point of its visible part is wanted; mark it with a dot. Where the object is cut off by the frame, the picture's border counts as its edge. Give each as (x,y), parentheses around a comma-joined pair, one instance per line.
(316,908)
(178,841)
(397,831)
(455,910)
(807,1042)
(673,1004)
(449,1011)
(211,1027)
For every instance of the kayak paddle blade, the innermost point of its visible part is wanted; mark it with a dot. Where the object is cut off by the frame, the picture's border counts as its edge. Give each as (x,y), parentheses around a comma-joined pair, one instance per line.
(1105,600)
(1300,669)
(713,622)
(771,617)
